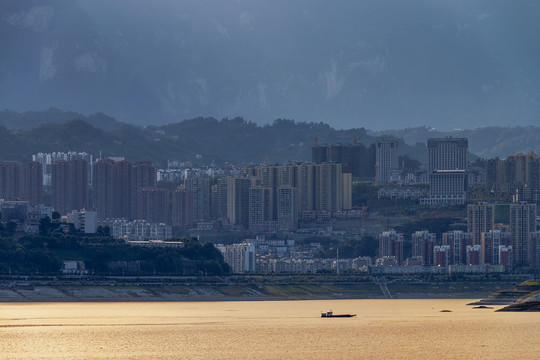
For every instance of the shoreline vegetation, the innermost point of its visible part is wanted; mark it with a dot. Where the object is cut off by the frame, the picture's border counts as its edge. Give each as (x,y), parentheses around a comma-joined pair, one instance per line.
(139,289)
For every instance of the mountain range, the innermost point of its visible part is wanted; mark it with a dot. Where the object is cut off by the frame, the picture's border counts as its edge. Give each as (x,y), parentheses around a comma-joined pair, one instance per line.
(205,140)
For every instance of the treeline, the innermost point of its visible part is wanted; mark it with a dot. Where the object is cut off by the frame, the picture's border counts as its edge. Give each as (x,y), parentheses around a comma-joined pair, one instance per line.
(200,140)
(33,254)
(226,140)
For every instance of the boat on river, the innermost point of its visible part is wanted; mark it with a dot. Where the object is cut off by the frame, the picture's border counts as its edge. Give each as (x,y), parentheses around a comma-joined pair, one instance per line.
(330,314)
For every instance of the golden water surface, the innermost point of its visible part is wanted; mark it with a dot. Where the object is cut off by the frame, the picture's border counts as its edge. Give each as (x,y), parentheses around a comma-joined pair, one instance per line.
(383,329)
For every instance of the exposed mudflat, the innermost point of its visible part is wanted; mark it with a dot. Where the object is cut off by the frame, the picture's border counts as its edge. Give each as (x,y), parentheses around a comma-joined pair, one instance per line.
(224,292)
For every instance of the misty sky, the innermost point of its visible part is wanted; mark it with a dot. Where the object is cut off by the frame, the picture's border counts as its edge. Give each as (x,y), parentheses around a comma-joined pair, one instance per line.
(376,64)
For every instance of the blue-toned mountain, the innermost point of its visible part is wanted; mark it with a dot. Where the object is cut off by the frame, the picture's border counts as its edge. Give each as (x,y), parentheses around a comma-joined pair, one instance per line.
(374,64)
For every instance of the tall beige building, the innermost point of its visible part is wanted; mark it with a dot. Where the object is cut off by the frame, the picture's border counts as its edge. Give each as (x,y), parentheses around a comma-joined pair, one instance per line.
(261,208)
(522,224)
(480,218)
(306,185)
(287,207)
(329,187)
(240,257)
(516,171)
(289,190)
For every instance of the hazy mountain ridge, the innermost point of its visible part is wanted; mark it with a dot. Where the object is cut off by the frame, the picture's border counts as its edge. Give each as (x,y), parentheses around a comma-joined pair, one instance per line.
(380,64)
(226,140)
(29,120)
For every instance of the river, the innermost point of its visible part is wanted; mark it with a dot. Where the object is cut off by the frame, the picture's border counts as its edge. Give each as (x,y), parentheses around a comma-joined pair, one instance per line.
(382,329)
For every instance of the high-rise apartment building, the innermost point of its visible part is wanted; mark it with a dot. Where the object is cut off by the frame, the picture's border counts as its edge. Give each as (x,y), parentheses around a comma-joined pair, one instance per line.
(117,187)
(47,159)
(346,190)
(69,185)
(320,153)
(287,207)
(104,186)
(522,224)
(144,174)
(491,241)
(495,174)
(306,185)
(220,203)
(303,187)
(356,157)
(534,250)
(200,187)
(61,187)
(182,208)
(329,187)
(21,181)
(32,183)
(480,219)
(154,205)
(386,157)
(11,180)
(261,209)
(423,243)
(238,201)
(506,257)
(447,171)
(79,184)
(391,244)
(441,255)
(123,190)
(519,171)
(473,255)
(458,242)
(522,170)
(113,189)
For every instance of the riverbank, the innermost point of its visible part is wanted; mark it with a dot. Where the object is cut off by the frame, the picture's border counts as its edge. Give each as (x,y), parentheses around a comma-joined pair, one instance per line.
(230,291)
(525,297)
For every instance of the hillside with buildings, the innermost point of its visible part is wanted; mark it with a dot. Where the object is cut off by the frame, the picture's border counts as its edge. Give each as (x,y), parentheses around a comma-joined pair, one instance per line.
(363,206)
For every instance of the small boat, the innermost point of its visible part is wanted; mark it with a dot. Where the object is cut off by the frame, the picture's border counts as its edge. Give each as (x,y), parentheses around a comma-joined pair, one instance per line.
(332,315)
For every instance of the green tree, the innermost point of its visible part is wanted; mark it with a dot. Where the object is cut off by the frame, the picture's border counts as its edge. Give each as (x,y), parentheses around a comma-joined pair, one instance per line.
(45,226)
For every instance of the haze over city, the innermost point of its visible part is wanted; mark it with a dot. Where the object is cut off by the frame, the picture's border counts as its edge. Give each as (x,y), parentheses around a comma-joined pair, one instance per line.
(373,64)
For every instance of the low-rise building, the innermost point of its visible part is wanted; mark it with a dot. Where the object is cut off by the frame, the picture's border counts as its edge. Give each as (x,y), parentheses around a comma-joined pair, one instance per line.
(140,230)
(240,257)
(83,220)
(156,243)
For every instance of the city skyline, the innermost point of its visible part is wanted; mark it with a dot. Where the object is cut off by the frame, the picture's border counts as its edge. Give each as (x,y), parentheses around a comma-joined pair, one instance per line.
(213,178)
(287,197)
